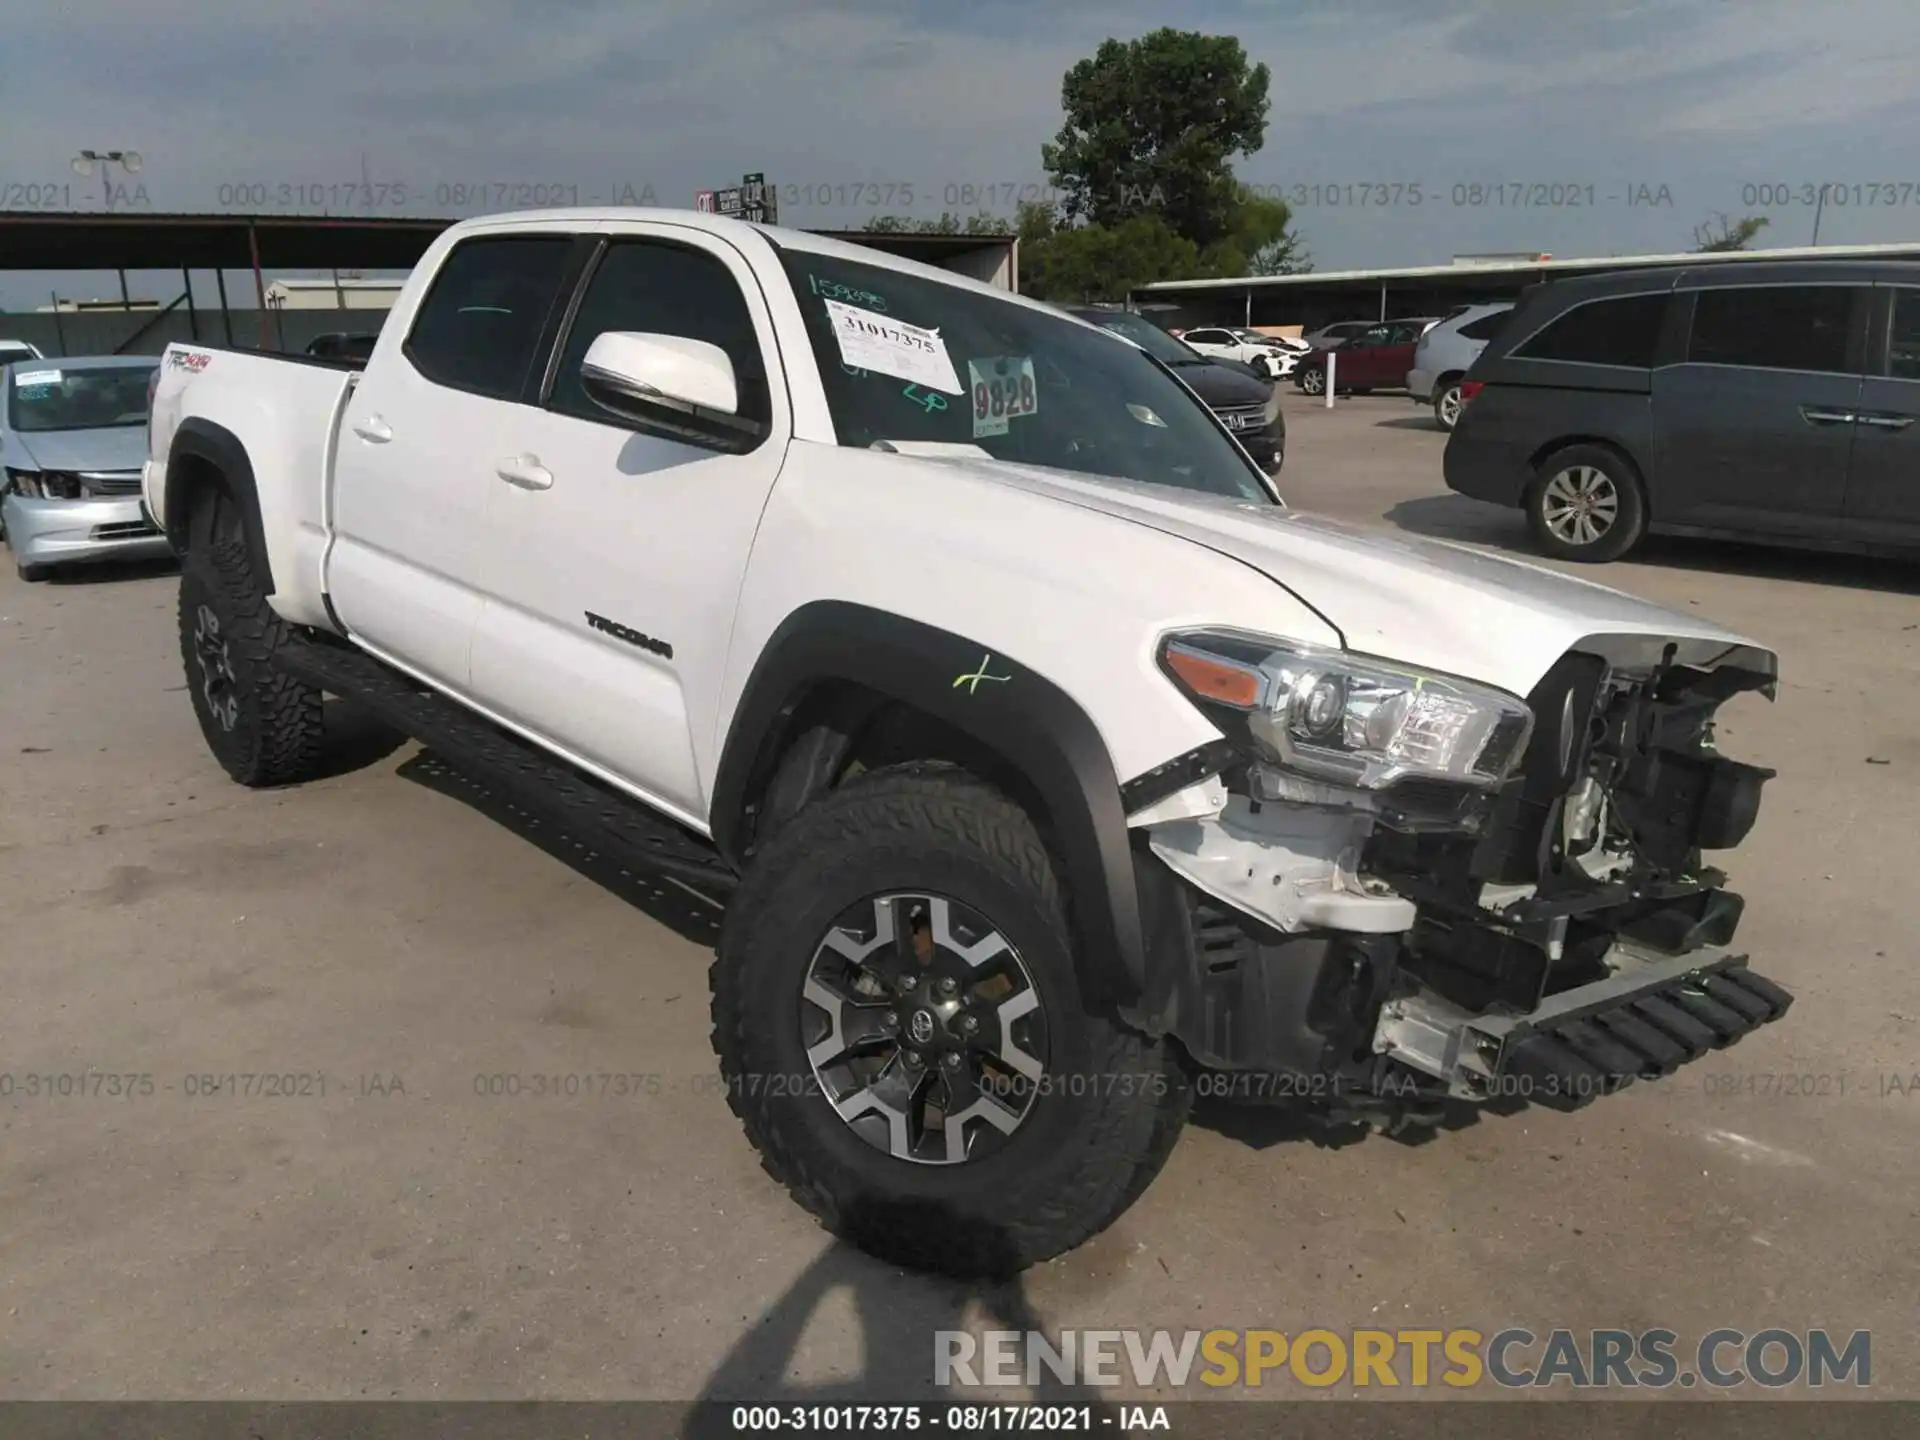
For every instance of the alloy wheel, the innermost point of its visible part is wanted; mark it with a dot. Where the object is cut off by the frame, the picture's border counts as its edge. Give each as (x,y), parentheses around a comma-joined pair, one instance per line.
(217,681)
(1580,504)
(1450,406)
(923,1028)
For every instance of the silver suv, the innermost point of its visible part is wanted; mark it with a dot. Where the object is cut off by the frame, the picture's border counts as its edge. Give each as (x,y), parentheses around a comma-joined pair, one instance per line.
(1441,359)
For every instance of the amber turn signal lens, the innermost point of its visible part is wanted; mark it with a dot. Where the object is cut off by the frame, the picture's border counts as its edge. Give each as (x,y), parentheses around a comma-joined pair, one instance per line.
(1218,680)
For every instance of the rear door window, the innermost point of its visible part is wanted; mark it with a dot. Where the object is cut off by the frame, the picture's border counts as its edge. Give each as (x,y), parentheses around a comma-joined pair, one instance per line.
(1776,327)
(1903,343)
(480,324)
(1621,332)
(1486,327)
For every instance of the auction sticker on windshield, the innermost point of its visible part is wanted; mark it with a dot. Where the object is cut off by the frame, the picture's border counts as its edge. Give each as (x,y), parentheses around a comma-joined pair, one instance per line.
(892,347)
(1003,389)
(36,377)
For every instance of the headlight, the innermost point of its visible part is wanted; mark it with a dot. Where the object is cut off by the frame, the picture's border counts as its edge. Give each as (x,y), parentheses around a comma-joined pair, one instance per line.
(1272,412)
(44,484)
(1349,718)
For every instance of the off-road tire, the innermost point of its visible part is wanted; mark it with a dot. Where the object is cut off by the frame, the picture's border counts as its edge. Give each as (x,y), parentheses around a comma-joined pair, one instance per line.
(1099,1131)
(1626,530)
(276,734)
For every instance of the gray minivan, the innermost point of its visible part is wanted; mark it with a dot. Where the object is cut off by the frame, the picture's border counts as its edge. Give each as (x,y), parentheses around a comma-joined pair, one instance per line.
(1751,399)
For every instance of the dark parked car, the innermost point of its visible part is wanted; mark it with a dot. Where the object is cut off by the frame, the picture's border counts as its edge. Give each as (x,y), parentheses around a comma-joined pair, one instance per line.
(1768,400)
(352,347)
(1376,359)
(1246,404)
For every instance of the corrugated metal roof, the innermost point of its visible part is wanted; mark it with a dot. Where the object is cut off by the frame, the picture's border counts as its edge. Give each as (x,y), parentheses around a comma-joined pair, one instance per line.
(1908,250)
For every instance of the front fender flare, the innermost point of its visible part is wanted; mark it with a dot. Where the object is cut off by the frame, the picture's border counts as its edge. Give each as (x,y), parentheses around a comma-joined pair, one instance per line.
(996,700)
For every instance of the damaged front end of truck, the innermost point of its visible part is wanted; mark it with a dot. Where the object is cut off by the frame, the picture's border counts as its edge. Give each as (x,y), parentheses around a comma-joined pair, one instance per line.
(1404,889)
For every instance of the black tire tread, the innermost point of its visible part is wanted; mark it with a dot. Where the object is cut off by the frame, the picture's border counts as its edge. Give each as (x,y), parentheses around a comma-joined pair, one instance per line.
(286,714)
(1120,1153)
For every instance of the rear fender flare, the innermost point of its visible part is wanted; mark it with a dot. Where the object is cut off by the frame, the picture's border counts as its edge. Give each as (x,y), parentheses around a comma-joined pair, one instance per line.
(220,448)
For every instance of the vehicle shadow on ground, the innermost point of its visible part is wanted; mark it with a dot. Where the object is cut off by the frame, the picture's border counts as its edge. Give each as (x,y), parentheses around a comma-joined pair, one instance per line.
(1422,421)
(1455,517)
(354,738)
(897,1314)
(111,572)
(689,913)
(1262,1127)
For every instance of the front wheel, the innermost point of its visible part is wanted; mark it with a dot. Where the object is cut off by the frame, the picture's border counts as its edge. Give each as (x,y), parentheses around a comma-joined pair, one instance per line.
(1314,382)
(902,1033)
(1586,504)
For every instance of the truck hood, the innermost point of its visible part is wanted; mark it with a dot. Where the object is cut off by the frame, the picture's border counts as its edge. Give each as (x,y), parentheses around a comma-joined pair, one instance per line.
(113,447)
(1429,603)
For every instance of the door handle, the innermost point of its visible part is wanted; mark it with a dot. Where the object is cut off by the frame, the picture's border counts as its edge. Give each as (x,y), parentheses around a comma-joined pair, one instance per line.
(1887,422)
(1826,417)
(526,471)
(373,430)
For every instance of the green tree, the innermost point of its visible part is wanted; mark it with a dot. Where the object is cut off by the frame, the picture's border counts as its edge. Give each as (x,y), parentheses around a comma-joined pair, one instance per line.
(1721,234)
(1153,125)
(1076,263)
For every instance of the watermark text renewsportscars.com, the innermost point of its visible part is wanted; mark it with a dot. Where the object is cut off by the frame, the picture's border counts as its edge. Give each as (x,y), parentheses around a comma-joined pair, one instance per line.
(1207,1361)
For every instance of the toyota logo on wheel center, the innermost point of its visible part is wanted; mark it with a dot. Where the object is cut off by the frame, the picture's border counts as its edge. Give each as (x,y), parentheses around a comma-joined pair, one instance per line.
(920,1027)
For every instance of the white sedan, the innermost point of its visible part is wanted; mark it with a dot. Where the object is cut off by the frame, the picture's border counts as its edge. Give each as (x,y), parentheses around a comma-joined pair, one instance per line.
(1272,357)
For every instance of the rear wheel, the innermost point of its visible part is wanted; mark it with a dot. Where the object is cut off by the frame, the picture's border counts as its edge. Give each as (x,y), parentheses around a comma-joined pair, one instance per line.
(263,726)
(1586,504)
(902,1033)
(1446,404)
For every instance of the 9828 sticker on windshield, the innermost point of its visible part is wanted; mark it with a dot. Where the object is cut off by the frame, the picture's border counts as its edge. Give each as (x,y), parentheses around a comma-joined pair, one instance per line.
(892,347)
(1003,389)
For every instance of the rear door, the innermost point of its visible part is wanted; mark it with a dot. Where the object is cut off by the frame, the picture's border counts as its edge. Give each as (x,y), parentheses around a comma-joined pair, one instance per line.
(418,449)
(1359,364)
(1754,426)
(1395,358)
(1883,482)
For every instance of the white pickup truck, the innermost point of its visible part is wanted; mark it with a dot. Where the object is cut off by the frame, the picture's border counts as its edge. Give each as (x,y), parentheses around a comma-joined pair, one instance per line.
(1049,764)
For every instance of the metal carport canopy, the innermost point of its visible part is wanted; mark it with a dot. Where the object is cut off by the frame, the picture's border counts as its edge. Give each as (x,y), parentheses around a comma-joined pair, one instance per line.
(56,241)
(63,241)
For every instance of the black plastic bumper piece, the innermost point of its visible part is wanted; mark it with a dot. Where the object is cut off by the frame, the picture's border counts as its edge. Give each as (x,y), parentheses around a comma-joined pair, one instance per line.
(1573,1059)
(614,824)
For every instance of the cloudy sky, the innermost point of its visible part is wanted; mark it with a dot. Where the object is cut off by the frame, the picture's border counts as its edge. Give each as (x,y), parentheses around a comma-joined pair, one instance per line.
(1684,106)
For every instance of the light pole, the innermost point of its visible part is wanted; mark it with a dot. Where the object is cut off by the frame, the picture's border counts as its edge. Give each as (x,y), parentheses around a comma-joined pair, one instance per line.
(127,160)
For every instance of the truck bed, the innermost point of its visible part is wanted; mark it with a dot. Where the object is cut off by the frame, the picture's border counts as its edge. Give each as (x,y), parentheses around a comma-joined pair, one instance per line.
(282,414)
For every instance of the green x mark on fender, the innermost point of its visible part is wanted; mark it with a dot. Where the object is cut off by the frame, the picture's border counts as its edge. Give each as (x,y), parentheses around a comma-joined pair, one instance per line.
(972,682)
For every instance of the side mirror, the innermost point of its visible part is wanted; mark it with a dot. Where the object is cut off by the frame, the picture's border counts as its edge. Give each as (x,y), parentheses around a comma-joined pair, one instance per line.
(668,382)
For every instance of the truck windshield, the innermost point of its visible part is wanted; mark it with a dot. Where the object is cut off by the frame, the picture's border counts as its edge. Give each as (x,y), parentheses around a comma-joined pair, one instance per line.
(915,362)
(58,397)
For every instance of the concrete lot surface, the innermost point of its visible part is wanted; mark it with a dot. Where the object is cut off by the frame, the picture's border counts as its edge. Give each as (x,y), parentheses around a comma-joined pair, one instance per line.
(387,1228)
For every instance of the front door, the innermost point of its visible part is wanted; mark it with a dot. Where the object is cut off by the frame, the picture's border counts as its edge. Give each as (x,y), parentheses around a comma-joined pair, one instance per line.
(1883,483)
(1754,428)
(414,468)
(615,552)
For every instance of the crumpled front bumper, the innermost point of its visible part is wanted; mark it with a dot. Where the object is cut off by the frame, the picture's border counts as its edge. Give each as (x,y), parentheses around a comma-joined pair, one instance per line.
(54,532)
(1652,1014)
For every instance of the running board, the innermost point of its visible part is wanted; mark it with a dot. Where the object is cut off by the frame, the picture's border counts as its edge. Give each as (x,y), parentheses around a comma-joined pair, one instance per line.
(1653,1014)
(614,824)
